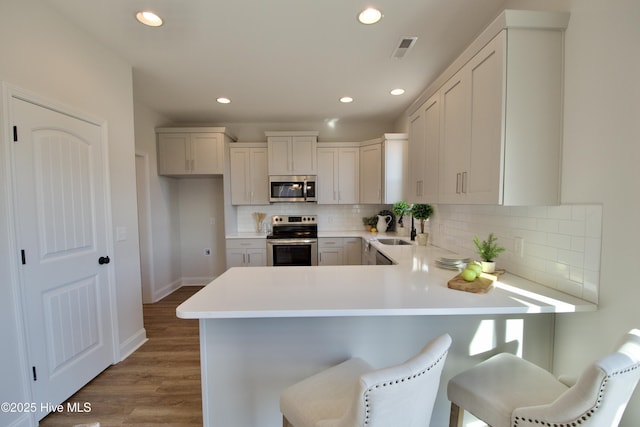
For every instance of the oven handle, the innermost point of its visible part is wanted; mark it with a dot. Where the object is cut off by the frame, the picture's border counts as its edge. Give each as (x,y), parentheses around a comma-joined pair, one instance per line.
(291,241)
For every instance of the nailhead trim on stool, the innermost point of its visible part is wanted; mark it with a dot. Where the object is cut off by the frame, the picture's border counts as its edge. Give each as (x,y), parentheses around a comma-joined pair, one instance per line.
(583,418)
(398,381)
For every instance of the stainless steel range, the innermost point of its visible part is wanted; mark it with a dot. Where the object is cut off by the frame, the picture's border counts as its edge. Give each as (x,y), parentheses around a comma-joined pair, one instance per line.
(293,241)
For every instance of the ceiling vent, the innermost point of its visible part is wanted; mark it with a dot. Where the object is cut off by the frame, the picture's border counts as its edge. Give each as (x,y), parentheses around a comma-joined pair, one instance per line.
(404,45)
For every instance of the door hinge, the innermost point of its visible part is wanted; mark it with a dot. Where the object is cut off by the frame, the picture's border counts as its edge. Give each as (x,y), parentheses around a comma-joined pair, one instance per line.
(15,134)
(23,256)
(35,375)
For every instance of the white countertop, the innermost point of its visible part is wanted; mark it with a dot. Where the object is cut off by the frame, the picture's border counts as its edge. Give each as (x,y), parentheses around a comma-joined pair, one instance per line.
(414,286)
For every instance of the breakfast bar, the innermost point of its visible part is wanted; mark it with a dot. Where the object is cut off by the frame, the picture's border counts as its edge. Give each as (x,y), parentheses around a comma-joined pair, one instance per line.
(265,328)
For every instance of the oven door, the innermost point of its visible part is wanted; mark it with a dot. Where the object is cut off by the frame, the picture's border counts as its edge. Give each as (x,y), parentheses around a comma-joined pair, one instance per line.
(292,252)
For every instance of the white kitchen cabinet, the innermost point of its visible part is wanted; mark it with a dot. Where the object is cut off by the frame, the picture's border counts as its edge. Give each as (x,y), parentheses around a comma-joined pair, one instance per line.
(248,174)
(330,251)
(454,140)
(338,175)
(292,153)
(246,253)
(424,143)
(191,151)
(384,169)
(339,251)
(501,116)
(371,173)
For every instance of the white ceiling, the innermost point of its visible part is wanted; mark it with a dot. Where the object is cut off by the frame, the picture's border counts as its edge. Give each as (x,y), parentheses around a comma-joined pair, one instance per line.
(281,60)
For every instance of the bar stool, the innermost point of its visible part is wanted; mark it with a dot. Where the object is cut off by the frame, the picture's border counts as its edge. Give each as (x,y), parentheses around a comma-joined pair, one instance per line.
(506,391)
(354,394)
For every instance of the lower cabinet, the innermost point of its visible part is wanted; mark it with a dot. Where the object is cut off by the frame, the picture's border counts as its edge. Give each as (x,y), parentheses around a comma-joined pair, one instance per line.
(339,251)
(246,253)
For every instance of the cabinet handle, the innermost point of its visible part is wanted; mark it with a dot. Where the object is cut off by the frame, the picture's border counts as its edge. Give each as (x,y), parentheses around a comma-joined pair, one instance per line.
(248,258)
(458,176)
(419,188)
(464,182)
(244,258)
(186,164)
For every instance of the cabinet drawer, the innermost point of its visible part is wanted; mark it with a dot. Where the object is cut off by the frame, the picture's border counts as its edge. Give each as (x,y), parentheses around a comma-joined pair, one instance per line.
(246,244)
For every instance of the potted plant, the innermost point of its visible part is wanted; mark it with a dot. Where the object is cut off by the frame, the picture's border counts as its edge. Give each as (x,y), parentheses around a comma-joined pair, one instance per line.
(369,222)
(422,212)
(400,209)
(488,251)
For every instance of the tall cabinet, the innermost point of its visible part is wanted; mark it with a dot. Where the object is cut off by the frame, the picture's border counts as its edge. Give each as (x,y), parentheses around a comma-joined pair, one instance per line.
(497,114)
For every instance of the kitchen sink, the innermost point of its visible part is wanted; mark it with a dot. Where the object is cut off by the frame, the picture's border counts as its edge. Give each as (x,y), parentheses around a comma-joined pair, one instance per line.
(393,242)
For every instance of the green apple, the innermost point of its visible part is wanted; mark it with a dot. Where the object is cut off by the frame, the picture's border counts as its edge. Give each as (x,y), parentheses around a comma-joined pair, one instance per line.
(469,274)
(475,267)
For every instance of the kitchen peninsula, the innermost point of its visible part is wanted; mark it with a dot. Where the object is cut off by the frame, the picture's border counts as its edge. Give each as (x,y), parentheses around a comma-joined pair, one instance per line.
(264,328)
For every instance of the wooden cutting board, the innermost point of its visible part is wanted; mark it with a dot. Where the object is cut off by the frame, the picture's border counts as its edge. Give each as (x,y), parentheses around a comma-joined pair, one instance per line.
(481,285)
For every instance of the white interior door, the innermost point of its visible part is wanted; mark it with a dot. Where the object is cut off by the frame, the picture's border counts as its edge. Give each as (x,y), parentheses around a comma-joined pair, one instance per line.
(59,186)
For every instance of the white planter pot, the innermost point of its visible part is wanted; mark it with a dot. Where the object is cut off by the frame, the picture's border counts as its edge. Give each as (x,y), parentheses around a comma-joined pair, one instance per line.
(488,267)
(422,238)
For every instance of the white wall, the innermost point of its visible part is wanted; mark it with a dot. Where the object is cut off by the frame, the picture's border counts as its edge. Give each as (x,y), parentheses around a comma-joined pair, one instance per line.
(45,54)
(201,202)
(164,206)
(601,152)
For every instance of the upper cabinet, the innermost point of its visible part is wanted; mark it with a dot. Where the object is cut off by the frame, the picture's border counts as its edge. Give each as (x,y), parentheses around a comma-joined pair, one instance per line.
(248,174)
(338,174)
(191,151)
(424,145)
(497,114)
(383,169)
(292,153)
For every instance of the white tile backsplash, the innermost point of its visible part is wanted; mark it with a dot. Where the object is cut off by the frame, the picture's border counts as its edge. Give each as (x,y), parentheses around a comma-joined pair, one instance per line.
(330,217)
(561,243)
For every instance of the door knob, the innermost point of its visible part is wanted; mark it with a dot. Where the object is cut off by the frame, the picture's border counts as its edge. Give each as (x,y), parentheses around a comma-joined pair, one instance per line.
(104,260)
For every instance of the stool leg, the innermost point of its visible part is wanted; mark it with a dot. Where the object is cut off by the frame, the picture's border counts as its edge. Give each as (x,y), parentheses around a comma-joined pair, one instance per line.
(457,415)
(285,422)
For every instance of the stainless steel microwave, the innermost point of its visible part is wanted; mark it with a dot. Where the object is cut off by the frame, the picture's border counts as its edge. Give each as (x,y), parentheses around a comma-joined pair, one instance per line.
(292,189)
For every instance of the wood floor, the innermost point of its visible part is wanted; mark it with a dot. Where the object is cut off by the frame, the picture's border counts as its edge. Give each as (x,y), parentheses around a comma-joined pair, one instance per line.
(158,385)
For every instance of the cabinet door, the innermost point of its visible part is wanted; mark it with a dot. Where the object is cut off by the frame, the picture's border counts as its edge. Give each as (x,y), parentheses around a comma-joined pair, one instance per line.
(206,153)
(431,159)
(349,175)
(172,154)
(279,155)
(454,139)
(236,257)
(239,174)
(352,251)
(256,258)
(486,88)
(327,176)
(259,176)
(415,193)
(371,174)
(303,155)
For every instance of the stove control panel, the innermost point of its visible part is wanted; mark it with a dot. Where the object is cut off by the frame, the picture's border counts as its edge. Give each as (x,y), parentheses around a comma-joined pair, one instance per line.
(294,219)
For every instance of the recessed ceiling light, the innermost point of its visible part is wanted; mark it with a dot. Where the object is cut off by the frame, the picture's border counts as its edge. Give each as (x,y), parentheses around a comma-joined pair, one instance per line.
(370,16)
(222,100)
(346,99)
(149,18)
(397,91)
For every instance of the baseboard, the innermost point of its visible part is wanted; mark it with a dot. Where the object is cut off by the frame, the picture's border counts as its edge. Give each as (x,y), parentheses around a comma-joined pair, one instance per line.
(133,343)
(161,293)
(189,281)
